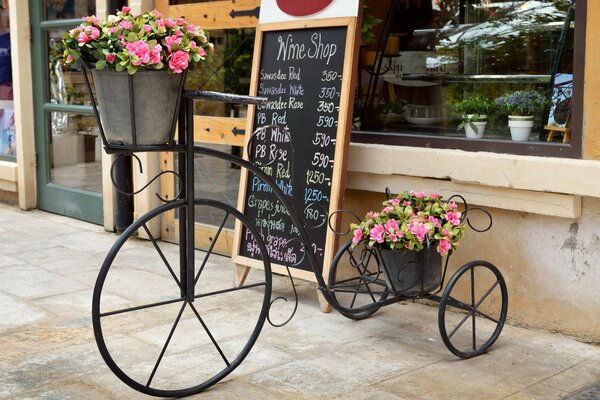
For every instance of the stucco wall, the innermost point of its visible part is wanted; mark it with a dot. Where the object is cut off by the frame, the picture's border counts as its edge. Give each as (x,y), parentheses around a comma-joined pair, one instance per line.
(550,264)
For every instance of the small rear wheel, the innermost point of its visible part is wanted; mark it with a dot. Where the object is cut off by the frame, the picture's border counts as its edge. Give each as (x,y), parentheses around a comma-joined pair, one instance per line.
(356,280)
(473,309)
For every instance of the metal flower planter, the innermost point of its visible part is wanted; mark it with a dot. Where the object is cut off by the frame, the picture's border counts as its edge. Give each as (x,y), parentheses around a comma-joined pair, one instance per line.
(412,273)
(136,112)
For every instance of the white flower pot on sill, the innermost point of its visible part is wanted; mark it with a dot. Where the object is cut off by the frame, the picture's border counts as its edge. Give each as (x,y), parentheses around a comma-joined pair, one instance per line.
(479,124)
(520,127)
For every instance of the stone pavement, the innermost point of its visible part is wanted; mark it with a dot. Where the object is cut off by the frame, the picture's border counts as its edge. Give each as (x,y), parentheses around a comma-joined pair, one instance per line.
(48,267)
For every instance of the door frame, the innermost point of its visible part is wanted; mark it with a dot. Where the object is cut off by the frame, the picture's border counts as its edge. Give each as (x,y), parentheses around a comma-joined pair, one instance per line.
(75,203)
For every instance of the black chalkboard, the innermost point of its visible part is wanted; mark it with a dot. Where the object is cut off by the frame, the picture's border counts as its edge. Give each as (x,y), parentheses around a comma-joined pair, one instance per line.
(301,72)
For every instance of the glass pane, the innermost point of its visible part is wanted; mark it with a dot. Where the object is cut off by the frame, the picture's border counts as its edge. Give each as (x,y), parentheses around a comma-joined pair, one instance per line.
(74,151)
(67,9)
(440,53)
(7,118)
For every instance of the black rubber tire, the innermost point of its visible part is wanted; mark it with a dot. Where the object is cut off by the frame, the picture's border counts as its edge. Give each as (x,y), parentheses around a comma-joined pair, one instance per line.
(215,345)
(486,307)
(367,278)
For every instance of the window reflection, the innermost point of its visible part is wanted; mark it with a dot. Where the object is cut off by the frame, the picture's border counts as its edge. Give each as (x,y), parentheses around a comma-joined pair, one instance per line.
(441,52)
(68,9)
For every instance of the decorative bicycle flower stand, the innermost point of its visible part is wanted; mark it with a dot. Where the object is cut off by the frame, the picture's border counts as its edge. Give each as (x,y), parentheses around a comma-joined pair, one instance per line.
(161,363)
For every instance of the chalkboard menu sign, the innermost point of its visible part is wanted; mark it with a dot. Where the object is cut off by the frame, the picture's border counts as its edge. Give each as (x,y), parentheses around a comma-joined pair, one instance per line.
(300,143)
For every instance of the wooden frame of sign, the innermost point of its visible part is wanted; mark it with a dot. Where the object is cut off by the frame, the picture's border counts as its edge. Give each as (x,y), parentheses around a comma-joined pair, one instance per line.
(310,84)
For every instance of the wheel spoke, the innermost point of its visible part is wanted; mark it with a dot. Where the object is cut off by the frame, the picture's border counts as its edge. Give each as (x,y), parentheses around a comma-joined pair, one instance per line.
(235,289)
(474,307)
(210,335)
(457,327)
(486,294)
(487,317)
(211,247)
(164,349)
(161,254)
(136,308)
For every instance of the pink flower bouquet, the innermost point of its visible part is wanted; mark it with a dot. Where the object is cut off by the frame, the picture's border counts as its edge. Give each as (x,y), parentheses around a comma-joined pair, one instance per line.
(125,42)
(412,220)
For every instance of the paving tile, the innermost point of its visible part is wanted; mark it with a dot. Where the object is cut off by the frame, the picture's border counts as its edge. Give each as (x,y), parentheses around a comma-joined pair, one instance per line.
(29,282)
(538,392)
(582,374)
(76,303)
(15,313)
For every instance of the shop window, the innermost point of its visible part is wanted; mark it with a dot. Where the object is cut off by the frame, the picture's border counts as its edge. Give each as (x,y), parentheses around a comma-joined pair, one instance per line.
(429,55)
(8,146)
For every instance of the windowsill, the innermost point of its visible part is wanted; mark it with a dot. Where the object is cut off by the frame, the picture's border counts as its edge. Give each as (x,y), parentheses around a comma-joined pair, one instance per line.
(8,176)
(541,185)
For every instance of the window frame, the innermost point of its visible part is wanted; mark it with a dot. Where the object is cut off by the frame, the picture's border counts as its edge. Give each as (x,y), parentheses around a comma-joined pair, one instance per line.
(574,149)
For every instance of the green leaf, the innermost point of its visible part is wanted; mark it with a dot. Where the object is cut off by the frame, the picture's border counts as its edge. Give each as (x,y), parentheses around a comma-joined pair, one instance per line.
(131,69)
(119,67)
(100,65)
(132,37)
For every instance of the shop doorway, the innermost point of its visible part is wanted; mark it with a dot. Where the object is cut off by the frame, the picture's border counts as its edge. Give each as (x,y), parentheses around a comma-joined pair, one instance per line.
(68,146)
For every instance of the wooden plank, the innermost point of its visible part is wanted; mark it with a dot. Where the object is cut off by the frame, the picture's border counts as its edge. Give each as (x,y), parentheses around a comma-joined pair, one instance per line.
(212,15)
(219,130)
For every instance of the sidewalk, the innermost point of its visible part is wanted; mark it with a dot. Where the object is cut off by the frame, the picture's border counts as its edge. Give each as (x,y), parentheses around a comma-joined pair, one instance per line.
(48,267)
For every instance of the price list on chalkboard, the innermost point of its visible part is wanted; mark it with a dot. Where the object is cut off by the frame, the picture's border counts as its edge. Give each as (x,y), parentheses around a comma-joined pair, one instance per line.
(301,75)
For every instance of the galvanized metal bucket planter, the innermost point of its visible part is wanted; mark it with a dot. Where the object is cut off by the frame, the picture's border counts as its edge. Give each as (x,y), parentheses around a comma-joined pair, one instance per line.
(412,273)
(138,111)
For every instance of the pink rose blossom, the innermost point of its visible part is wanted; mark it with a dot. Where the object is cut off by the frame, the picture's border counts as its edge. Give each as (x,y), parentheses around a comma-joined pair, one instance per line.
(191,28)
(433,220)
(201,52)
(83,38)
(110,58)
(70,59)
(178,33)
(140,50)
(453,217)
(92,32)
(418,195)
(147,28)
(357,235)
(394,202)
(387,210)
(392,237)
(126,9)
(444,245)
(391,225)
(211,46)
(179,61)
(406,203)
(156,13)
(169,23)
(376,233)
(418,229)
(172,40)
(452,206)
(434,196)
(445,232)
(114,29)
(155,56)
(126,25)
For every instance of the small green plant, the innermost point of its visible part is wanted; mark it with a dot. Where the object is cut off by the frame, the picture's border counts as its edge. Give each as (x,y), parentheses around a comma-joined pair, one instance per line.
(393,107)
(476,107)
(368,23)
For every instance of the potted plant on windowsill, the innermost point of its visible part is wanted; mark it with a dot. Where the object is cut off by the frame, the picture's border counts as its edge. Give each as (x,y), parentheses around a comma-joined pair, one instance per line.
(521,106)
(138,63)
(411,233)
(474,112)
(392,111)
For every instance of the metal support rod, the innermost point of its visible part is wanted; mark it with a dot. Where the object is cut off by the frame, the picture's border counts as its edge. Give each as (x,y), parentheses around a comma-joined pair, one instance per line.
(182,211)
(190,220)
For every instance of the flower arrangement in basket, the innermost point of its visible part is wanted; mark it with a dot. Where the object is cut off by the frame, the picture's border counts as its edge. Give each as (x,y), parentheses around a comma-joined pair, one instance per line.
(412,221)
(125,42)
(138,64)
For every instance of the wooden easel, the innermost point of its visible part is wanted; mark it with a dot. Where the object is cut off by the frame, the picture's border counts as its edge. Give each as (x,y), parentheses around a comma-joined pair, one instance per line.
(554,130)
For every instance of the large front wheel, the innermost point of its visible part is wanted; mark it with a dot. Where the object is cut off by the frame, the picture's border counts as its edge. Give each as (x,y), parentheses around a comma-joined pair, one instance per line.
(153,337)
(473,309)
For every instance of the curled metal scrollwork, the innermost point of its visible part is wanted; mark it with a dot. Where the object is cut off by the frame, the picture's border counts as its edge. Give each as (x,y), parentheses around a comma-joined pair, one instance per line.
(341,211)
(287,267)
(465,214)
(127,193)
